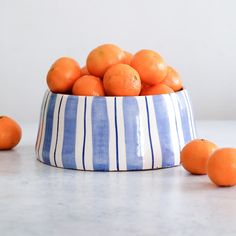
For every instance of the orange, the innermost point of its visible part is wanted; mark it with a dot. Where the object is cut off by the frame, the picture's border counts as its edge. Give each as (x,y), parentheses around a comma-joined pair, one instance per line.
(156,89)
(173,79)
(143,85)
(195,154)
(122,80)
(62,75)
(128,57)
(102,57)
(88,85)
(84,71)
(10,133)
(150,66)
(221,167)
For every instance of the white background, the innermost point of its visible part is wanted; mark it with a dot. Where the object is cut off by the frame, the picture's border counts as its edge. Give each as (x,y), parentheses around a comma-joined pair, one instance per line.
(198,38)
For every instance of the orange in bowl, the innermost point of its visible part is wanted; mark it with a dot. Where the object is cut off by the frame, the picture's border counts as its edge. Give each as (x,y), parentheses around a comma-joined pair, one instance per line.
(122,80)
(88,85)
(62,75)
(102,57)
(150,66)
(156,89)
(173,79)
(128,57)
(84,71)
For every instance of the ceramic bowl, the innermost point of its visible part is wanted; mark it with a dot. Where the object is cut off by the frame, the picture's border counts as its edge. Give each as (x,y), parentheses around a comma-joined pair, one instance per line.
(114,133)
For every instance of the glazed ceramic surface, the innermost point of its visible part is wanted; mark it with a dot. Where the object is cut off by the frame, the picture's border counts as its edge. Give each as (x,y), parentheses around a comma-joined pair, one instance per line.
(114,133)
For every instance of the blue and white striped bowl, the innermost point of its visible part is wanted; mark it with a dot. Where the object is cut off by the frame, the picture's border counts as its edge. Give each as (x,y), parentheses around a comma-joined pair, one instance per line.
(114,133)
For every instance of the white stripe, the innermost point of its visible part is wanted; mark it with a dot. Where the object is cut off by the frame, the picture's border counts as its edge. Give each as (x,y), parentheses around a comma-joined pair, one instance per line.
(121,134)
(79,134)
(40,122)
(154,134)
(191,114)
(44,128)
(178,119)
(61,132)
(112,133)
(173,131)
(144,134)
(88,154)
(54,130)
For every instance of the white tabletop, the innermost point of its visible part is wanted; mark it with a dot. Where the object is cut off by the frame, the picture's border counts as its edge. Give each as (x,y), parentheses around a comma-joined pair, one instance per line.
(36,199)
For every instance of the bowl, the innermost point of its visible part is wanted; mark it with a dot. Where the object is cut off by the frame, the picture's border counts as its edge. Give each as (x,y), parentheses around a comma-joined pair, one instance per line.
(114,133)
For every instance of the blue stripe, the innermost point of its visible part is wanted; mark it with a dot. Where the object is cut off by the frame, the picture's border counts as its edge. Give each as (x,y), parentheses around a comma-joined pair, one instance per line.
(164,130)
(100,134)
(68,148)
(48,129)
(131,114)
(186,125)
(149,131)
(83,151)
(58,115)
(117,142)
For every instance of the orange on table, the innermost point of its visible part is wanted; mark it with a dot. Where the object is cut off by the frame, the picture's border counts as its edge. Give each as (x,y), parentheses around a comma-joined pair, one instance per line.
(10,133)
(102,57)
(221,167)
(150,66)
(173,79)
(156,89)
(84,71)
(195,154)
(88,85)
(122,80)
(62,75)
(128,57)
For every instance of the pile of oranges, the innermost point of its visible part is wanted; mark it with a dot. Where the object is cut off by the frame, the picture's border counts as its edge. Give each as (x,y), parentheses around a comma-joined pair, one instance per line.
(111,71)
(201,156)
